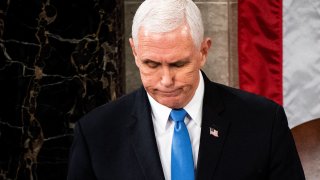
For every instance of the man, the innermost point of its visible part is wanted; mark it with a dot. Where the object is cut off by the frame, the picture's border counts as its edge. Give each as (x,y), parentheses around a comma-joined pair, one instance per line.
(180,125)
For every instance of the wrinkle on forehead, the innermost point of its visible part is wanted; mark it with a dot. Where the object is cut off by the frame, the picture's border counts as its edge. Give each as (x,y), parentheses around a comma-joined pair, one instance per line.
(171,36)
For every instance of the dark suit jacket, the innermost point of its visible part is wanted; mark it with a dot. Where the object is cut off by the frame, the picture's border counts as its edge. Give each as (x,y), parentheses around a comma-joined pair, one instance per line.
(117,141)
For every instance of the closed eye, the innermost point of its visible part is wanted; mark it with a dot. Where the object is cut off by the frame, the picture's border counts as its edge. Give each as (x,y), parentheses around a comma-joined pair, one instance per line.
(179,64)
(151,64)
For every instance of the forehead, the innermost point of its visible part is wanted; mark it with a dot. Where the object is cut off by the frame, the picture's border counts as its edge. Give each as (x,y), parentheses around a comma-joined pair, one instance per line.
(174,43)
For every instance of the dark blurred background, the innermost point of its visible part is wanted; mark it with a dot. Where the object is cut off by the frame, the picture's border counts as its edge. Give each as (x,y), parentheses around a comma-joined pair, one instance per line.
(58,60)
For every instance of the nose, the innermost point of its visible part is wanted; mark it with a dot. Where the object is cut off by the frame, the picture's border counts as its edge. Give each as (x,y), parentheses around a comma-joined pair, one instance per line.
(167,77)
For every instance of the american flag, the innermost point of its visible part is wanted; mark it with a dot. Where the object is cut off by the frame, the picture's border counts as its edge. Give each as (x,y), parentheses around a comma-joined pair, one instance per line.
(214,132)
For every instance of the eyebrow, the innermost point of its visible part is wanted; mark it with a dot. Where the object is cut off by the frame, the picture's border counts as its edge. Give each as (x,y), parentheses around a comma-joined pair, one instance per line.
(177,61)
(182,61)
(147,60)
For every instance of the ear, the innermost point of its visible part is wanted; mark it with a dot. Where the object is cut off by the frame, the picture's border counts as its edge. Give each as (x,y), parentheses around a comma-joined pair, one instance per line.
(134,51)
(205,46)
(132,47)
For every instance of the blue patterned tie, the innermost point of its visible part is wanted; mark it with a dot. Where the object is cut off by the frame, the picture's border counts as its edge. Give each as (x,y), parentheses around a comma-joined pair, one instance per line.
(182,167)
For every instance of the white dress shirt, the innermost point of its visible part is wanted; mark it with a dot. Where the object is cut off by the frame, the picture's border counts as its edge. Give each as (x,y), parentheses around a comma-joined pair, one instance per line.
(163,127)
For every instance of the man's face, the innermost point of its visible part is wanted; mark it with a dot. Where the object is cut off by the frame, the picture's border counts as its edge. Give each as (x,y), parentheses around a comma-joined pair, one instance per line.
(169,65)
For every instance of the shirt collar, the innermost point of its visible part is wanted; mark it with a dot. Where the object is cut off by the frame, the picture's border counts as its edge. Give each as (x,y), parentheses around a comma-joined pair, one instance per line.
(161,113)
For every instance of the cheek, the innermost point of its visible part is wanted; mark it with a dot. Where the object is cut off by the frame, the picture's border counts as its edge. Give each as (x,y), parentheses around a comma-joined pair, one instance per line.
(189,76)
(148,79)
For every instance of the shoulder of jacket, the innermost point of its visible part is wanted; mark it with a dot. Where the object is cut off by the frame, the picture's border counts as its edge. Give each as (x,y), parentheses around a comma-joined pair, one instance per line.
(111,112)
(246,98)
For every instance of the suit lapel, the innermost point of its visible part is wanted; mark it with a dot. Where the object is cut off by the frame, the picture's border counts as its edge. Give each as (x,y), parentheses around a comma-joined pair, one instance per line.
(211,146)
(143,138)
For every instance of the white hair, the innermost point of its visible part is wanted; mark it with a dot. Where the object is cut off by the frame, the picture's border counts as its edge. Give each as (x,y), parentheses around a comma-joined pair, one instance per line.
(162,16)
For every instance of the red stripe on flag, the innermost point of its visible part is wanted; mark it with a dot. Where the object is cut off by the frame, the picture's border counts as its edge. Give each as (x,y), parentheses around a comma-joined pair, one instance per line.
(260,47)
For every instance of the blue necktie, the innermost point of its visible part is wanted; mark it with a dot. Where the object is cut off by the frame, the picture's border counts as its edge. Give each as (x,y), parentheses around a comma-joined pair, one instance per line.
(182,167)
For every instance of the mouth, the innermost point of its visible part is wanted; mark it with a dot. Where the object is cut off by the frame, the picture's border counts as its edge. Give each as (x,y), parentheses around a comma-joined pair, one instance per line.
(170,93)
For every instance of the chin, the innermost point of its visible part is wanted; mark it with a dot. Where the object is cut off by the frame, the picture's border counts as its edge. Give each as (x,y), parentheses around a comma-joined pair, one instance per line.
(172,103)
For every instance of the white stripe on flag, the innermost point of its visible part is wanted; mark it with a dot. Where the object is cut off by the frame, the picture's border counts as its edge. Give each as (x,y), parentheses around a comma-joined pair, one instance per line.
(301,60)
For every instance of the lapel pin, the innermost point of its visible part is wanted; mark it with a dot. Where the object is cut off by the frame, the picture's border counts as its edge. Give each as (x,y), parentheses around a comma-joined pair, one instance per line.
(214,132)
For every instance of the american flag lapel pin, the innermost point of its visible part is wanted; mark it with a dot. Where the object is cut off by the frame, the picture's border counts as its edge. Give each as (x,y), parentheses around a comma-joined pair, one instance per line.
(214,132)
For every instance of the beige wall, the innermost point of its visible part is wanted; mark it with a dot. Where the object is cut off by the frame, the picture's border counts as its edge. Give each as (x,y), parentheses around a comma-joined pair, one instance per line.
(220,21)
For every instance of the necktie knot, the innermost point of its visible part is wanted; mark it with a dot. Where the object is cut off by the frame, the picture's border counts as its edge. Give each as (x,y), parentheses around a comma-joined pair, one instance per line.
(178,115)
